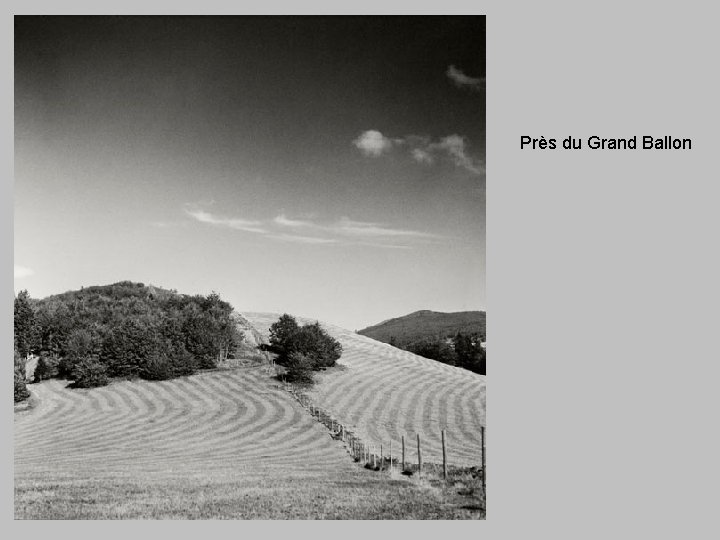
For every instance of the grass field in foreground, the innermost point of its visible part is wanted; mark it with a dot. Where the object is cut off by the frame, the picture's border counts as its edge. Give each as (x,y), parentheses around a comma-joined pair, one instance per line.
(217,445)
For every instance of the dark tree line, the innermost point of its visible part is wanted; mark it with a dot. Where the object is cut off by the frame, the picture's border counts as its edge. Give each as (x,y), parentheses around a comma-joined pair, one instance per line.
(462,350)
(124,330)
(302,349)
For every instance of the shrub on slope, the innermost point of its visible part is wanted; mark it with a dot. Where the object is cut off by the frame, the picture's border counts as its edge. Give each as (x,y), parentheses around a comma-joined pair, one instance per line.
(310,342)
(89,373)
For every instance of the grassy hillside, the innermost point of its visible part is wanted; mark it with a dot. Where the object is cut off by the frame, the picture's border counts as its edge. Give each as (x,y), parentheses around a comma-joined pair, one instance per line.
(426,324)
(225,444)
(383,393)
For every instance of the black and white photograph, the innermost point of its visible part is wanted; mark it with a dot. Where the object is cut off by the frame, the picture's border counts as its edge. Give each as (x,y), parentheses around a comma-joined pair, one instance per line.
(249,267)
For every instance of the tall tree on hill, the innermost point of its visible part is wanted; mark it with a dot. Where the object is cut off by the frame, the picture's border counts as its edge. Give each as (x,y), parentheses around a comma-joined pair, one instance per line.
(314,343)
(27,335)
(21,391)
(282,331)
(309,342)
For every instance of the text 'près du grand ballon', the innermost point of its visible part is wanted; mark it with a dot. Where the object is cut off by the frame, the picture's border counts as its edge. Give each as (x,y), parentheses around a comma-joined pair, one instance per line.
(646,142)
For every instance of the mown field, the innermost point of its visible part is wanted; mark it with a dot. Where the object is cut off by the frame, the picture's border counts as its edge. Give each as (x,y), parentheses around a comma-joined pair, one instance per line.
(226,444)
(383,393)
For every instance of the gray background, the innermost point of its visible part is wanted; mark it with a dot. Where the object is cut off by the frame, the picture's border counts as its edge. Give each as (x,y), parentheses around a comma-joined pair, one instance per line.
(602,272)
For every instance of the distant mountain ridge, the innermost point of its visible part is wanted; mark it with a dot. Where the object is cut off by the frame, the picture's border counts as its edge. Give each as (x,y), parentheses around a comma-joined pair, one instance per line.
(426,324)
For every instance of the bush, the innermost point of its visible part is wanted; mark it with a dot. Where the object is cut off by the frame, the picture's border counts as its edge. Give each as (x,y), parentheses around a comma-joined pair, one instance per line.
(160,365)
(282,332)
(157,368)
(48,367)
(183,362)
(89,373)
(310,341)
(299,369)
(21,391)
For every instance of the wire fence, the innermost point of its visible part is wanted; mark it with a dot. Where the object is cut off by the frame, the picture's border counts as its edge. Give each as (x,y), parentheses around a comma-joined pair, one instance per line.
(405,458)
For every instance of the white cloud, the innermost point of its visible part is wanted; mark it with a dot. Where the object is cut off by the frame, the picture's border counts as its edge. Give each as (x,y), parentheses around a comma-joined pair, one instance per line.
(422,150)
(303,239)
(287,222)
(347,226)
(384,246)
(344,231)
(373,143)
(464,81)
(454,146)
(422,156)
(230,223)
(22,271)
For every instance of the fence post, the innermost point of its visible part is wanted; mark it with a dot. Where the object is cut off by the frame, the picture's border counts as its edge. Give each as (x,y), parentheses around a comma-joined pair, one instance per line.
(482,452)
(382,461)
(444,455)
(419,456)
(390,452)
(402,440)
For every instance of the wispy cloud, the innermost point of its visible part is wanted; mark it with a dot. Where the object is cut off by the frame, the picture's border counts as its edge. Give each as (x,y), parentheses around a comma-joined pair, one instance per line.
(422,156)
(454,146)
(220,221)
(384,246)
(464,81)
(22,271)
(303,239)
(373,143)
(287,222)
(347,226)
(344,231)
(424,150)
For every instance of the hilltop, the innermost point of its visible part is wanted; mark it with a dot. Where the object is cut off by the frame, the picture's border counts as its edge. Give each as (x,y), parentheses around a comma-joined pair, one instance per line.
(426,324)
(125,330)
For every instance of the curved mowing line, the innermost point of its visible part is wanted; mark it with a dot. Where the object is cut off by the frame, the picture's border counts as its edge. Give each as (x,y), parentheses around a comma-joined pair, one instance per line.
(386,392)
(215,420)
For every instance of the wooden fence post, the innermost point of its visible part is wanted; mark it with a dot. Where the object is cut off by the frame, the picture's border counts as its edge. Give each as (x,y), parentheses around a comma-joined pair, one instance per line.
(419,456)
(390,452)
(382,461)
(402,440)
(444,455)
(482,452)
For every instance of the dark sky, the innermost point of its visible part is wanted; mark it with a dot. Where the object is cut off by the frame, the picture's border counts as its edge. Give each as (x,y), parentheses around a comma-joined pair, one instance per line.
(345,151)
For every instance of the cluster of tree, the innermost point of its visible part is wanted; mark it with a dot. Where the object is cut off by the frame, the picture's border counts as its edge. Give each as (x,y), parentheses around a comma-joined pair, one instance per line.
(463,350)
(302,349)
(124,330)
